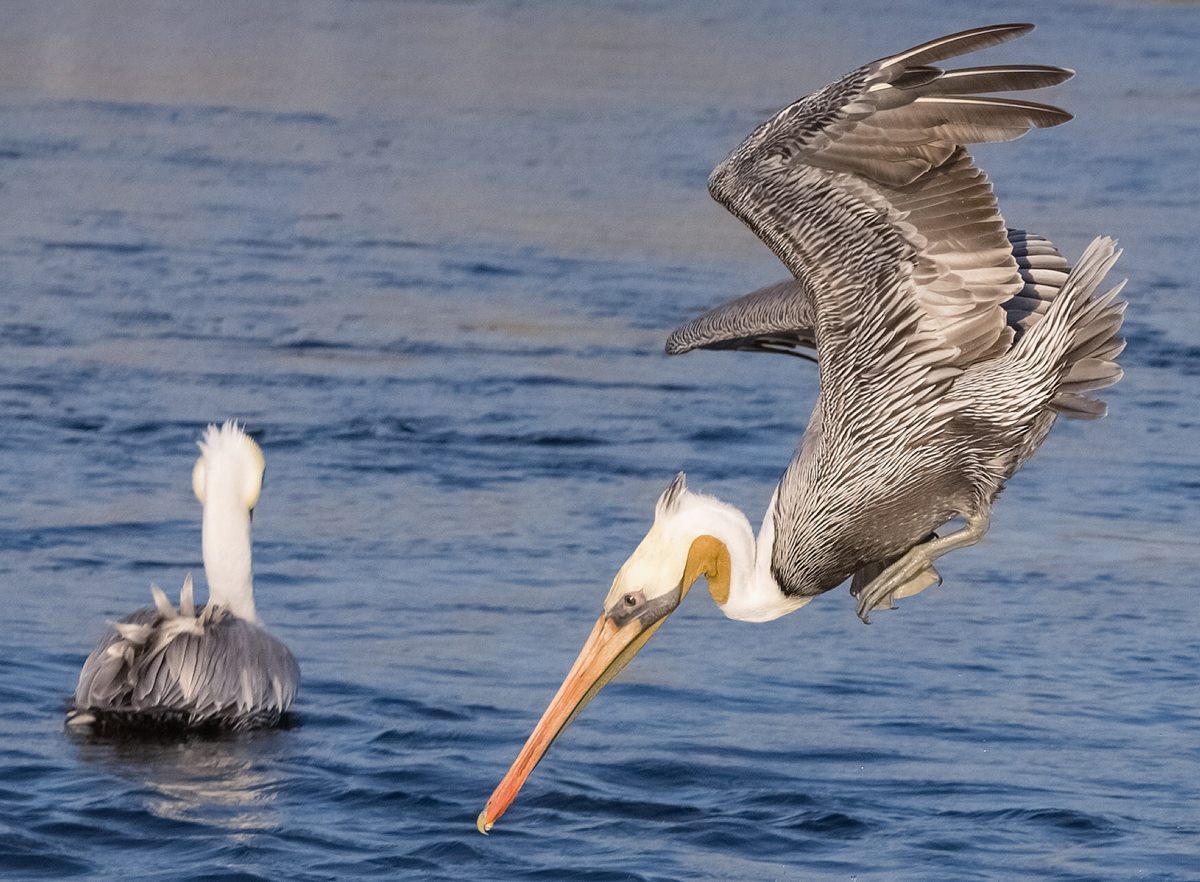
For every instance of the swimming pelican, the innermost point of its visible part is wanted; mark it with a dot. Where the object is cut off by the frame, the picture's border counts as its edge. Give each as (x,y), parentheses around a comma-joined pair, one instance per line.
(212,667)
(946,345)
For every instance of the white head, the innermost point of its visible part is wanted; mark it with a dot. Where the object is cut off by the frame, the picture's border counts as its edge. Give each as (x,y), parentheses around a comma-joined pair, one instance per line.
(231,466)
(227,479)
(693,535)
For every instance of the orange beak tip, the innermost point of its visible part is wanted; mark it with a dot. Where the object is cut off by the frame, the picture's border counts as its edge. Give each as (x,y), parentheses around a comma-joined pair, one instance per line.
(482,824)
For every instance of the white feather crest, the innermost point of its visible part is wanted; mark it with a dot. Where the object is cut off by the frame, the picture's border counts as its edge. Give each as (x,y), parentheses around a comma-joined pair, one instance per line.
(227,451)
(670,499)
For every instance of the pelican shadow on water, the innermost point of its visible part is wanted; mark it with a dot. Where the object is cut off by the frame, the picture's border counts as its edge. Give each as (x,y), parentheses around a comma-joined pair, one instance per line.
(946,345)
(212,667)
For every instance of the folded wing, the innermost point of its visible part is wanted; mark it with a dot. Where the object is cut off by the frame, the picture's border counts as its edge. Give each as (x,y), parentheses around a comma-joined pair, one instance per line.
(188,666)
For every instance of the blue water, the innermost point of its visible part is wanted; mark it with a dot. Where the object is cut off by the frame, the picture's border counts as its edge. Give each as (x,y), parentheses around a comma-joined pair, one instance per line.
(429,253)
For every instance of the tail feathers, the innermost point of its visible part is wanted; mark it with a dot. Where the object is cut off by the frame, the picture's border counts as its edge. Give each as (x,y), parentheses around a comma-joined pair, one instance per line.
(1078,407)
(1077,336)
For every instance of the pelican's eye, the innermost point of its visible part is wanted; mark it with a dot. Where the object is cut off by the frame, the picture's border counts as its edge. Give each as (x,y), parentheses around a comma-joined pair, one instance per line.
(627,606)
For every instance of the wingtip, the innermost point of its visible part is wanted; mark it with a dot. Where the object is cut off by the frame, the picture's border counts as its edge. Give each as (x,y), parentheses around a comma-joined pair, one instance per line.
(1063,116)
(1013,28)
(675,346)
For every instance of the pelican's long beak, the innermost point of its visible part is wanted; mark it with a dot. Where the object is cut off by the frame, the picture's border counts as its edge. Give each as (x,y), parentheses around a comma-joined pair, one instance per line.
(609,648)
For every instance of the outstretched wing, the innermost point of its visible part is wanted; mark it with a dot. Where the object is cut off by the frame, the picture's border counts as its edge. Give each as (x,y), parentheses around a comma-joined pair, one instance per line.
(901,259)
(780,318)
(775,318)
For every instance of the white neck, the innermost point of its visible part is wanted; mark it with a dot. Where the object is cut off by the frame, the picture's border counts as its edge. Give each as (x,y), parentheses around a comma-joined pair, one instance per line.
(226,541)
(754,595)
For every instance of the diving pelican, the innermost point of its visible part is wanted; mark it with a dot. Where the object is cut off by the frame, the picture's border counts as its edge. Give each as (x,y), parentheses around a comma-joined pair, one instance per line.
(946,345)
(212,667)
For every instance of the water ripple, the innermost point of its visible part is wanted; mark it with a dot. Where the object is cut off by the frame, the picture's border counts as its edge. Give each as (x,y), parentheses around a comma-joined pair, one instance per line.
(437,294)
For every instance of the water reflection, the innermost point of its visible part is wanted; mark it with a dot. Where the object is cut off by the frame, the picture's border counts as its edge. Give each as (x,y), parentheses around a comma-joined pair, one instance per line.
(228,781)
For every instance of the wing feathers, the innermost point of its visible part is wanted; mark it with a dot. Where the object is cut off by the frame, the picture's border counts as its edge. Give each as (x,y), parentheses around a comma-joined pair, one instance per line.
(984,110)
(187,666)
(957,44)
(1005,78)
(905,269)
(775,318)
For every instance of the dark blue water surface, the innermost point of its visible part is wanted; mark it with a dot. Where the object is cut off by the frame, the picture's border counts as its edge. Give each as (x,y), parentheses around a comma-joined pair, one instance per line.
(429,253)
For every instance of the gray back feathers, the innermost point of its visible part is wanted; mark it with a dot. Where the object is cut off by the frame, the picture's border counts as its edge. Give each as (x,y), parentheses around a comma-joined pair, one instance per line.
(160,665)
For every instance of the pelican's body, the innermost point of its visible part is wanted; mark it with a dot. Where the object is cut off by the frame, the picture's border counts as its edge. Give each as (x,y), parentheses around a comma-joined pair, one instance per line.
(209,667)
(946,344)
